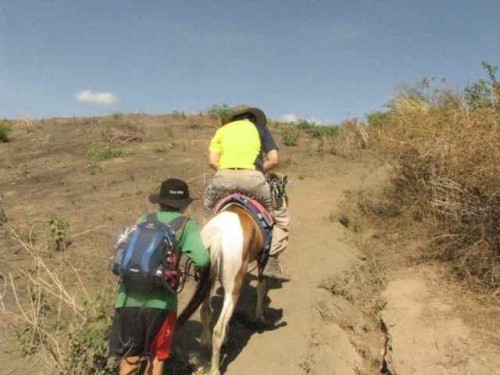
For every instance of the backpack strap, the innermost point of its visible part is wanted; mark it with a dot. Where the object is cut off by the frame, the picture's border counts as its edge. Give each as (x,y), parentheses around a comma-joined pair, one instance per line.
(177,225)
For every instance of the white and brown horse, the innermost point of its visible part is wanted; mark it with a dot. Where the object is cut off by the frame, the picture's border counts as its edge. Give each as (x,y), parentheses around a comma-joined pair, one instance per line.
(234,240)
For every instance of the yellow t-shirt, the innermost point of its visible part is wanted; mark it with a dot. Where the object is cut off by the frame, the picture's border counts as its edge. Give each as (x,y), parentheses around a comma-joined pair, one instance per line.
(239,144)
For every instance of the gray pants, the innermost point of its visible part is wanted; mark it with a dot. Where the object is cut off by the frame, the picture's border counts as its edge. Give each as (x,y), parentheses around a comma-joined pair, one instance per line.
(253,184)
(249,182)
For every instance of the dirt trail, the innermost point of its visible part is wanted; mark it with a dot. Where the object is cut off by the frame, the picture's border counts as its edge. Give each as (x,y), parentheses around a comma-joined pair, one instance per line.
(304,342)
(316,251)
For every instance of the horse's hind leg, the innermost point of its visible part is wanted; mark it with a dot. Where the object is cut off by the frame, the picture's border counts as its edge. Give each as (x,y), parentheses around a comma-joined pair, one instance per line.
(231,296)
(220,331)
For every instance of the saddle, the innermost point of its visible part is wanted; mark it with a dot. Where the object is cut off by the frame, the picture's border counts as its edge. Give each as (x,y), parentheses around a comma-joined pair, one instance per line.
(261,216)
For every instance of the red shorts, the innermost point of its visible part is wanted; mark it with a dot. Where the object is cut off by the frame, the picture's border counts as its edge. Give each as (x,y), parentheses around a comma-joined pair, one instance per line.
(161,347)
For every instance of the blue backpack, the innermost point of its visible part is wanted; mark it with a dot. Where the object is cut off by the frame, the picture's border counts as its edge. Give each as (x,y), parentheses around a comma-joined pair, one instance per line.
(147,257)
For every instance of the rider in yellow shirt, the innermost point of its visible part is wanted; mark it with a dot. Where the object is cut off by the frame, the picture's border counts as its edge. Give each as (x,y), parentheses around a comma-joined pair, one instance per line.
(241,152)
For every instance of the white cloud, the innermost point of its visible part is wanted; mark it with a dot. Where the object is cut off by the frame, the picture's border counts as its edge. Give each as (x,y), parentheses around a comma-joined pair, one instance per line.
(292,117)
(96,97)
(289,117)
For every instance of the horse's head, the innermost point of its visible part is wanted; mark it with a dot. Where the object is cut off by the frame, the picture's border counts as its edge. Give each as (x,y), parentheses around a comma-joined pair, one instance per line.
(278,189)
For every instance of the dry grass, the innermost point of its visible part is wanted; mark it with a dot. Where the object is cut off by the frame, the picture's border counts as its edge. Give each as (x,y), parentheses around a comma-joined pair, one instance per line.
(122,131)
(448,174)
(65,326)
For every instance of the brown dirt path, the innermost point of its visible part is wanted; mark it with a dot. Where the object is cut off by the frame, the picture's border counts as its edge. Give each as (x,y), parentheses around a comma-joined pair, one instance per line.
(304,343)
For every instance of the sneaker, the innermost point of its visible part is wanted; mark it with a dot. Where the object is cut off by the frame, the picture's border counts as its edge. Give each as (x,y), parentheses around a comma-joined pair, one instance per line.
(274,270)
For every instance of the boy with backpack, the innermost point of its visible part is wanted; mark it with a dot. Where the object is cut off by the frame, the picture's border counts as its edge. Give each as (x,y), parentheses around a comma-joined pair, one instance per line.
(147,262)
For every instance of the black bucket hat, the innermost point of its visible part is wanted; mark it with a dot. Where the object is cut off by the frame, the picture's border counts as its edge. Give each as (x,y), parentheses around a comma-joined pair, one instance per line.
(173,193)
(260,116)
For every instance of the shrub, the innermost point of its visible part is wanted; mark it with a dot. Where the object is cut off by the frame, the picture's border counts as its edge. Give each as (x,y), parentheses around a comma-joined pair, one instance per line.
(95,154)
(5,131)
(3,217)
(317,130)
(98,153)
(447,172)
(219,111)
(58,233)
(290,136)
(376,119)
(484,94)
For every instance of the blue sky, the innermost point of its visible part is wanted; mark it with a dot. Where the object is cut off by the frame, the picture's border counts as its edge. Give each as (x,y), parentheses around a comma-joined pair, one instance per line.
(317,59)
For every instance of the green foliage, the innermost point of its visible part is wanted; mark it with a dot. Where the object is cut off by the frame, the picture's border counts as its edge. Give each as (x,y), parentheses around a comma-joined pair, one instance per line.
(478,94)
(290,136)
(219,111)
(28,340)
(317,131)
(106,132)
(482,93)
(96,154)
(91,338)
(5,131)
(59,228)
(3,217)
(377,119)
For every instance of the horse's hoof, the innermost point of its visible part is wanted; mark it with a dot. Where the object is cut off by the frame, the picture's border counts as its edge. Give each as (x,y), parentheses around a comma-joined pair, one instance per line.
(263,323)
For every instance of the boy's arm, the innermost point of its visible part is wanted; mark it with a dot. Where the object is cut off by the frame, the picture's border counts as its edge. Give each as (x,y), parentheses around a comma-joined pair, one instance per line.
(192,245)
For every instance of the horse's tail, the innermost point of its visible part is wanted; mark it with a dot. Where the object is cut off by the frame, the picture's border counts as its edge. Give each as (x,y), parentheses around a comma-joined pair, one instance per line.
(212,240)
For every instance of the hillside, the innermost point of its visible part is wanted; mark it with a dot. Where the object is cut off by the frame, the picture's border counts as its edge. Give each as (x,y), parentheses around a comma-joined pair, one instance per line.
(355,305)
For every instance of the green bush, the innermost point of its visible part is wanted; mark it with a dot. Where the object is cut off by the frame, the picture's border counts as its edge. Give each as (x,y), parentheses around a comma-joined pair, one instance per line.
(316,130)
(98,153)
(95,154)
(290,136)
(484,94)
(376,119)
(59,228)
(219,111)
(5,130)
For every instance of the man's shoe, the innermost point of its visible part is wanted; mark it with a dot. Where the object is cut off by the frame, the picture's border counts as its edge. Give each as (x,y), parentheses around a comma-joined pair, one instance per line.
(274,270)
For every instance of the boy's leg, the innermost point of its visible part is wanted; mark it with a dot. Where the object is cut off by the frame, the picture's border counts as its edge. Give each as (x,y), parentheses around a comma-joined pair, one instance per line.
(129,365)
(155,367)
(126,339)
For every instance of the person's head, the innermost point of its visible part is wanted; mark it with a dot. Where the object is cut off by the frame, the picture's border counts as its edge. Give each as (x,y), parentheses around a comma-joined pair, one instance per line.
(242,112)
(173,195)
